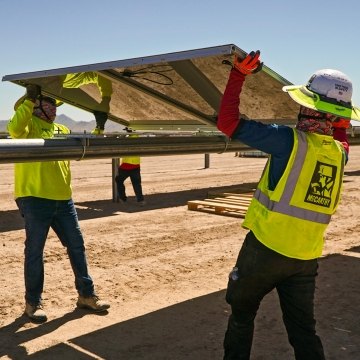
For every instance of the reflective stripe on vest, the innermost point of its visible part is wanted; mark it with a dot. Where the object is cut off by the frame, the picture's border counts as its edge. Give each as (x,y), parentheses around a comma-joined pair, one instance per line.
(291,219)
(283,206)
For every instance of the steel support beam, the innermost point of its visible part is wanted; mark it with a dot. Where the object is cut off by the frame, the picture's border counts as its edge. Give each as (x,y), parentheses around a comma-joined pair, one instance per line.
(199,82)
(83,148)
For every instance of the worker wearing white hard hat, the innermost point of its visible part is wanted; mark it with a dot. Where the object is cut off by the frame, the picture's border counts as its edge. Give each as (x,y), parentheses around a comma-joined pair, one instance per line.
(297,194)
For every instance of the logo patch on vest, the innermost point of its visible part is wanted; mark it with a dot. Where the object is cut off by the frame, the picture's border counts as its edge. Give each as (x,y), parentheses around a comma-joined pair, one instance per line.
(321,185)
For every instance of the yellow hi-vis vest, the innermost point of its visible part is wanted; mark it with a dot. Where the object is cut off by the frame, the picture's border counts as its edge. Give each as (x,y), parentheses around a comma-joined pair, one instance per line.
(134,160)
(292,218)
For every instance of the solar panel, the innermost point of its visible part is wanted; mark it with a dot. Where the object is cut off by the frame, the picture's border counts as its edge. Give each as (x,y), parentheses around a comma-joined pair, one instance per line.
(173,91)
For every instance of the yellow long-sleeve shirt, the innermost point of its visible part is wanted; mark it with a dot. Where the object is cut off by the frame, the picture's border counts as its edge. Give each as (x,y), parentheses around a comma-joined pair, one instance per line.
(48,179)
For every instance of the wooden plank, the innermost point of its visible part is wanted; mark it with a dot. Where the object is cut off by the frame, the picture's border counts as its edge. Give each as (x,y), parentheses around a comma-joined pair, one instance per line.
(231,201)
(244,195)
(234,191)
(235,198)
(217,207)
(224,203)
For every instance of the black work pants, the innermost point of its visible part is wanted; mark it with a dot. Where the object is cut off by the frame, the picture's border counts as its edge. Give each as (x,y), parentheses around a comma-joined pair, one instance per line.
(135,178)
(260,270)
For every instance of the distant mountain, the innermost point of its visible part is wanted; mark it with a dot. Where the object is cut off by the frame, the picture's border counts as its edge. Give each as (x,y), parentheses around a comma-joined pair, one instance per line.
(76,126)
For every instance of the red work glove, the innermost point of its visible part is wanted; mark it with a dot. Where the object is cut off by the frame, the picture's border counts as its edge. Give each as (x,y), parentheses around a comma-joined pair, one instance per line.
(341,123)
(250,65)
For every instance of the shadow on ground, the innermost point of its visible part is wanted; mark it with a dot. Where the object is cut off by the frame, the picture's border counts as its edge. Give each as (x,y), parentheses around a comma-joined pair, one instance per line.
(11,219)
(352,173)
(194,329)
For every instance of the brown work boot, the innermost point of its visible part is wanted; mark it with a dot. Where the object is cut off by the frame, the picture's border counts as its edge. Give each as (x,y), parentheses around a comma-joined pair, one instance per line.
(92,303)
(35,312)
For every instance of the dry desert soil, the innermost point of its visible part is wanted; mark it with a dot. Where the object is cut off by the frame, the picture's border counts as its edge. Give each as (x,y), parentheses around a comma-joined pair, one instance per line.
(164,269)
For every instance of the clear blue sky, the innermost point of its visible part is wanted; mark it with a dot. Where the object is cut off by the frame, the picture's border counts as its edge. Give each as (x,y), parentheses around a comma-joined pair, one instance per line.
(296,38)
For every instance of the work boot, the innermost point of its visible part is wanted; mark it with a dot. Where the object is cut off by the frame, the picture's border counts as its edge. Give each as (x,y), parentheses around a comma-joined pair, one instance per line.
(92,303)
(35,312)
(122,200)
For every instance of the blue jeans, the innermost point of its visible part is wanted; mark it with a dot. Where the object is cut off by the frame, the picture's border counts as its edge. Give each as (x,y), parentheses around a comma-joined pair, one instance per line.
(39,215)
(135,178)
(260,270)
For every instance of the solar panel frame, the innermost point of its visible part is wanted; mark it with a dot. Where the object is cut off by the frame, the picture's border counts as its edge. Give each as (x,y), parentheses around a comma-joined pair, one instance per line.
(180,90)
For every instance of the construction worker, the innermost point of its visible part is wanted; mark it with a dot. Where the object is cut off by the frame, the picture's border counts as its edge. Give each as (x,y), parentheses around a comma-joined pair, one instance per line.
(287,218)
(102,108)
(130,167)
(43,195)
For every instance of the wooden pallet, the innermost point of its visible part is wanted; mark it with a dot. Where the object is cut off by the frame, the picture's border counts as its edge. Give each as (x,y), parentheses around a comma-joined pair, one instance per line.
(235,204)
(235,190)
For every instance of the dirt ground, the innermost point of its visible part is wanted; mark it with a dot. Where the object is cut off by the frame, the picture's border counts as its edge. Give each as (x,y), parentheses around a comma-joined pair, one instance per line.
(164,269)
